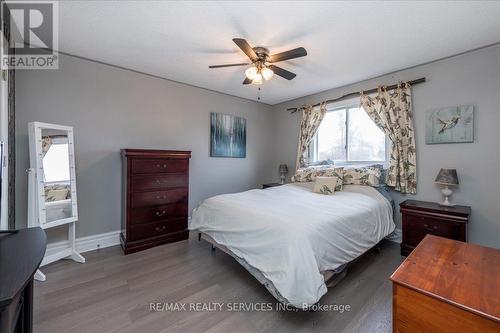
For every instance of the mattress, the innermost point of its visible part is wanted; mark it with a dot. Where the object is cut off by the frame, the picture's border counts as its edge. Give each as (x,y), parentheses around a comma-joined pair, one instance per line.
(290,235)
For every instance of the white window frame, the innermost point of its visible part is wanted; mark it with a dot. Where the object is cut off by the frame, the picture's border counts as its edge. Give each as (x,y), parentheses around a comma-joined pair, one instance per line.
(346,105)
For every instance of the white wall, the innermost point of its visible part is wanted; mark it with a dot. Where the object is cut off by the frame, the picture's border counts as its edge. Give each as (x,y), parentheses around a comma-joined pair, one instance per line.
(471,78)
(112,108)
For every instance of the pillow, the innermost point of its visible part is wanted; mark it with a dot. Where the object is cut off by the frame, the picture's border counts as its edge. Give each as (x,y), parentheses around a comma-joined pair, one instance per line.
(383,173)
(57,192)
(370,176)
(325,185)
(332,172)
(304,175)
(57,195)
(309,174)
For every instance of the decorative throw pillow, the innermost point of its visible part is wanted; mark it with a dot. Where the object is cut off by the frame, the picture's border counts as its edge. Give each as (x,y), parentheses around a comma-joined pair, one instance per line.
(309,174)
(57,195)
(370,176)
(57,192)
(304,175)
(332,172)
(325,185)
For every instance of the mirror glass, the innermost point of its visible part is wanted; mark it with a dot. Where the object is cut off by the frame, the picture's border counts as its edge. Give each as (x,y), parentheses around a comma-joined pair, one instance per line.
(56,174)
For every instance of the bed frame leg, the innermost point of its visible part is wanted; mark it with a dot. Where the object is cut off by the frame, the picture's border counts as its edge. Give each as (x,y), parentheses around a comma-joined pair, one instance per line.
(199,237)
(213,248)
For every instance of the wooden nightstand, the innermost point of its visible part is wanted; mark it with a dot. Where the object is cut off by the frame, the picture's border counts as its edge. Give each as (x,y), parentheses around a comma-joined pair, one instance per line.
(421,218)
(271,185)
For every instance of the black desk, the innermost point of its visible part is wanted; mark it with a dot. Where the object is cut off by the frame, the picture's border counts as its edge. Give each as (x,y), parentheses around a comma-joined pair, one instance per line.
(20,255)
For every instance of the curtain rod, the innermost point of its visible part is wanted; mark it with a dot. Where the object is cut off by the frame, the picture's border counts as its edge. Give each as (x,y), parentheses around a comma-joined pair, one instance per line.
(357,93)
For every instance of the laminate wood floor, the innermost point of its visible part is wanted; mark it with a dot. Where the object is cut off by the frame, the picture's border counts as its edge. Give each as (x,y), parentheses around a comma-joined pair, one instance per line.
(112,292)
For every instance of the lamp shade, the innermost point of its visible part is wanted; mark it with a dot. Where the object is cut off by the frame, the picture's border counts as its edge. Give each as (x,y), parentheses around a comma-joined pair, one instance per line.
(283,168)
(447,177)
(267,73)
(251,72)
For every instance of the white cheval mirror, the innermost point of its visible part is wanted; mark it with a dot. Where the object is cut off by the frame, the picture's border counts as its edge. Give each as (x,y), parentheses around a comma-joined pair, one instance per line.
(52,199)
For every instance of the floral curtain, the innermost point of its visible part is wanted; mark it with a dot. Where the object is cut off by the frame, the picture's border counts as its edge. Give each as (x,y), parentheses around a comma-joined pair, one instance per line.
(392,112)
(46,143)
(311,119)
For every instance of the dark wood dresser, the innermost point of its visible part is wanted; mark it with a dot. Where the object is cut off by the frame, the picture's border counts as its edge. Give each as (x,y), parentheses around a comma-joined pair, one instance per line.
(447,286)
(155,197)
(20,255)
(421,218)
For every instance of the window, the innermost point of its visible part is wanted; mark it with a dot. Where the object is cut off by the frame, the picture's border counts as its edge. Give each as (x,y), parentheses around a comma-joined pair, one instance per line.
(56,163)
(348,136)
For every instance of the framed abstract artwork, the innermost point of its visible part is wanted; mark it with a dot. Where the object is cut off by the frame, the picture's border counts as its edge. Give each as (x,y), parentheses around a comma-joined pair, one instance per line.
(228,135)
(450,125)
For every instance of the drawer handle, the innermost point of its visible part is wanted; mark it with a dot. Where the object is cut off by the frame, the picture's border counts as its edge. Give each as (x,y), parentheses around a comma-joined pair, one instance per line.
(162,228)
(160,197)
(430,228)
(158,182)
(160,213)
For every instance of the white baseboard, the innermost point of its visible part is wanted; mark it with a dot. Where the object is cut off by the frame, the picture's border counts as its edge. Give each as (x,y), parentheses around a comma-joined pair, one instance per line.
(396,236)
(85,244)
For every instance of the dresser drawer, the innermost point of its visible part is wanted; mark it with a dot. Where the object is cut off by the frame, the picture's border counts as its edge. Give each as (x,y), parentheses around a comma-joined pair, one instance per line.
(156,198)
(139,166)
(154,229)
(151,214)
(151,182)
(431,225)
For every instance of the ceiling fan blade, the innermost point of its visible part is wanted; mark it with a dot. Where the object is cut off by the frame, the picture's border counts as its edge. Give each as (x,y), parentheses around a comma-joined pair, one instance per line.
(229,65)
(290,54)
(282,72)
(245,47)
(247,81)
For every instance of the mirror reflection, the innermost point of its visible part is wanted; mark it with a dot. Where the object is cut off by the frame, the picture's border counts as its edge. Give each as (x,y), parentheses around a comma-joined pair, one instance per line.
(56,174)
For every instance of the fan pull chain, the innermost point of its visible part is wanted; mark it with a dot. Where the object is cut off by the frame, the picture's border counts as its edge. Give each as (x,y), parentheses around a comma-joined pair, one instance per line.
(258,96)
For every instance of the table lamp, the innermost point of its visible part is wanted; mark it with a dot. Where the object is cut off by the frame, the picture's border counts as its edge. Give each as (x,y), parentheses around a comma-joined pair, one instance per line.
(446,178)
(283,172)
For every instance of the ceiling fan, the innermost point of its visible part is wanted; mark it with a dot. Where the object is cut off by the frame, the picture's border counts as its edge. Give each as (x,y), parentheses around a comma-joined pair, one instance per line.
(262,62)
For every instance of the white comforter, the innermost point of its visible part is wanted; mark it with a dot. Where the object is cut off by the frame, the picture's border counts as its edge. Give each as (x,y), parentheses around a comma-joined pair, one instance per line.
(291,234)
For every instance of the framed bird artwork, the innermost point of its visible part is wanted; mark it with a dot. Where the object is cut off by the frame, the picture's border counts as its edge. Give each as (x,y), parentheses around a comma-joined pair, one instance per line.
(450,125)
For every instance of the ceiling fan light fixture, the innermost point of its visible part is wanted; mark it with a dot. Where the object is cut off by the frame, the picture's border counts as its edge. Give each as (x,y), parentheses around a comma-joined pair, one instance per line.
(267,73)
(260,57)
(251,72)
(257,79)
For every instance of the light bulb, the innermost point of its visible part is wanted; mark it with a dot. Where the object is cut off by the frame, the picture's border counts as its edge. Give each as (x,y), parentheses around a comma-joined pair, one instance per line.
(257,79)
(251,72)
(267,73)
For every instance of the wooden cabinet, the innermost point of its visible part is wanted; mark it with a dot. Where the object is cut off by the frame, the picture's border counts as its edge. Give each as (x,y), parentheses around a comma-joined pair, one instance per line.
(155,197)
(420,218)
(447,286)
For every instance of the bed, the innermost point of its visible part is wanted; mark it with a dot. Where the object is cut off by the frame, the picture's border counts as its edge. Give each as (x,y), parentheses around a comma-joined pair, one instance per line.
(290,238)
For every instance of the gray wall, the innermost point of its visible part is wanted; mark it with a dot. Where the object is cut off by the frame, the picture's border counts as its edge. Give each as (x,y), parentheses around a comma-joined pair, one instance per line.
(472,78)
(111,108)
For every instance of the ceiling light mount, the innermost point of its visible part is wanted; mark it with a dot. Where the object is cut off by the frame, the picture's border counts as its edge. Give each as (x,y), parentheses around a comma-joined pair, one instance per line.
(262,53)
